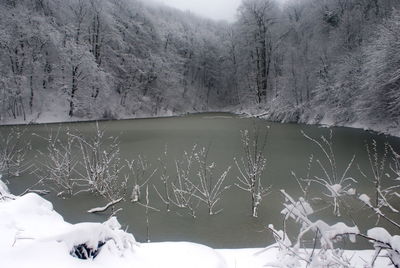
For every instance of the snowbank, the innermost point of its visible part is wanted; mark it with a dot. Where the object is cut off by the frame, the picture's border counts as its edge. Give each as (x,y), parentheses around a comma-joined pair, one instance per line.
(56,116)
(303,115)
(281,114)
(34,235)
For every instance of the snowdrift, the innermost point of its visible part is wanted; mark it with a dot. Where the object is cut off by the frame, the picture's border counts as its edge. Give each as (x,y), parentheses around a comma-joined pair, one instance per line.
(34,235)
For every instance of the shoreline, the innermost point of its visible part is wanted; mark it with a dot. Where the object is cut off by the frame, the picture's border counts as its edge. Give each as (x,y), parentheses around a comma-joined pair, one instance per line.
(378,130)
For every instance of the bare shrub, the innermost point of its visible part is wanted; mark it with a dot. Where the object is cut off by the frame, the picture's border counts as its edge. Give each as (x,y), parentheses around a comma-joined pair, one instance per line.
(195,182)
(251,167)
(166,197)
(385,188)
(58,166)
(13,149)
(325,252)
(335,183)
(101,165)
(184,191)
(141,172)
(209,187)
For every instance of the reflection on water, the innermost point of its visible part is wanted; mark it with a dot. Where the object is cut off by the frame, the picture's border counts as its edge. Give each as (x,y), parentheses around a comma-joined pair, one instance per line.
(287,150)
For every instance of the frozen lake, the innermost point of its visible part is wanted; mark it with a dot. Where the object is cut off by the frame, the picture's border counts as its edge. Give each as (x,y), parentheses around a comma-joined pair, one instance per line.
(287,150)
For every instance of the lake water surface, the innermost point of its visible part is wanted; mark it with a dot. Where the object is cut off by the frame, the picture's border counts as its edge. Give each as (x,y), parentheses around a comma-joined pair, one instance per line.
(287,150)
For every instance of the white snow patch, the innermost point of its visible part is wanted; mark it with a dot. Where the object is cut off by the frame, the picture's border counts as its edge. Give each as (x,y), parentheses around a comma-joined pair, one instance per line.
(33,235)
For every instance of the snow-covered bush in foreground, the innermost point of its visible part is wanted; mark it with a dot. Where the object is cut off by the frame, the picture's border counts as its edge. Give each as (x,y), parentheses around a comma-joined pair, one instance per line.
(323,252)
(30,220)
(34,235)
(85,240)
(336,188)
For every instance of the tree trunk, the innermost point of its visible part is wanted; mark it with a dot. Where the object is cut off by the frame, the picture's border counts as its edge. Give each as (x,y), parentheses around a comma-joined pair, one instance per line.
(74,88)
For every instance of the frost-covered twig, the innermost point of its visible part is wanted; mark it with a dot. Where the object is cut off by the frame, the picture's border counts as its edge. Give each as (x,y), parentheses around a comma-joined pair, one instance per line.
(141,172)
(166,198)
(147,215)
(367,201)
(102,209)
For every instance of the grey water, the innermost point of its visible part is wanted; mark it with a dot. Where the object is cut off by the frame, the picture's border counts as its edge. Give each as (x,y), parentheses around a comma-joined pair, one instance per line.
(287,150)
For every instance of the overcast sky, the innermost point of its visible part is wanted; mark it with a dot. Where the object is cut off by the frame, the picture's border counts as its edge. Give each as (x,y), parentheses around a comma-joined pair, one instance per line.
(214,9)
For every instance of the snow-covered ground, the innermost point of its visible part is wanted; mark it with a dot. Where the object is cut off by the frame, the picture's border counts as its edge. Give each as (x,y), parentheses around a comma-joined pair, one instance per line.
(61,116)
(284,116)
(287,115)
(34,235)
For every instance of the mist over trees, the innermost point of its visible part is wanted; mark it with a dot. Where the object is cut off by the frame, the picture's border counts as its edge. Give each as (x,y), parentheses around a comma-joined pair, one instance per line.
(307,60)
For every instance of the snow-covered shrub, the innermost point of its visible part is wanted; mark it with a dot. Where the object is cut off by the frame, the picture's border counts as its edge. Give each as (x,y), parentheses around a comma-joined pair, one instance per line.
(196,182)
(380,177)
(85,240)
(251,167)
(335,183)
(325,252)
(384,205)
(13,148)
(209,187)
(101,165)
(383,241)
(58,168)
(183,192)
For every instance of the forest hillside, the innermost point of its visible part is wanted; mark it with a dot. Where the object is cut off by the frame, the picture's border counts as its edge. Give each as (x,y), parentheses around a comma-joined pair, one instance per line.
(313,61)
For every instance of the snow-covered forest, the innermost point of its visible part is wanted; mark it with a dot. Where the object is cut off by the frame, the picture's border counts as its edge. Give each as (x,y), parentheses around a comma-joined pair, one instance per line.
(333,62)
(107,59)
(329,61)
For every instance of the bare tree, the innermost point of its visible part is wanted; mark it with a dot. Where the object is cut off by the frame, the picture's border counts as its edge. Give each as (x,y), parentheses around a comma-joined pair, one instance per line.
(251,167)
(210,187)
(80,11)
(96,30)
(258,17)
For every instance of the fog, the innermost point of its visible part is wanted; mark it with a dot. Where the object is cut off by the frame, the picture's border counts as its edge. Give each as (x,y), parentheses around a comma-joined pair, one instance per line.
(214,9)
